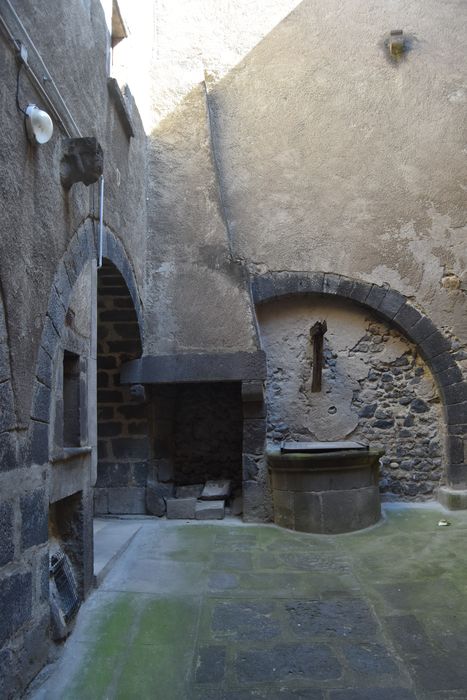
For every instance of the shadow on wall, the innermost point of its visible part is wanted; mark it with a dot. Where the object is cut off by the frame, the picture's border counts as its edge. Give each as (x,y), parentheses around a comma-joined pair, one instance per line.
(8,422)
(197,296)
(122,423)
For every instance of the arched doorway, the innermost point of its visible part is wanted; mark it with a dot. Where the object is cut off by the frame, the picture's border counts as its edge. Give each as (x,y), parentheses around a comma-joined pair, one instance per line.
(122,414)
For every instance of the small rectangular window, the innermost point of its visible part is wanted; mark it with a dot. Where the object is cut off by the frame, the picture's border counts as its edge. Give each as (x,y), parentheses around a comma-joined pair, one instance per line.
(71,400)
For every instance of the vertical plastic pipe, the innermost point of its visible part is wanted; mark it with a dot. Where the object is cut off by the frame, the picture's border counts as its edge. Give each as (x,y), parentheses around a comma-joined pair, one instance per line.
(101,219)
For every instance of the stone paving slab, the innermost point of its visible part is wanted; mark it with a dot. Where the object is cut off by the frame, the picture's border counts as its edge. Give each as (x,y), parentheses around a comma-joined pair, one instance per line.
(227,611)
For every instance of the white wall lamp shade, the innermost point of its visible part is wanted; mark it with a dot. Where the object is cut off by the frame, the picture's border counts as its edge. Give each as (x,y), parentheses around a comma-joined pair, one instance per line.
(39,125)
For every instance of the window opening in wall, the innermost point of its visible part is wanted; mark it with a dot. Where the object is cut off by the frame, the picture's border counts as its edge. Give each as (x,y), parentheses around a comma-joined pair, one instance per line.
(71,400)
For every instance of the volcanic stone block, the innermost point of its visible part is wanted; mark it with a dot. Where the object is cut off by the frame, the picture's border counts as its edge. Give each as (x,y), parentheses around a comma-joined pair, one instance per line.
(101,501)
(165,469)
(253,620)
(34,654)
(345,286)
(189,491)
(7,416)
(50,337)
(451,498)
(331,283)
(156,496)
(250,467)
(333,617)
(422,329)
(406,317)
(7,548)
(434,345)
(211,664)
(374,659)
(15,603)
(456,452)
(237,506)
(257,504)
(287,662)
(451,375)
(155,504)
(262,288)
(457,413)
(407,632)
(391,303)
(127,500)
(44,367)
(216,490)
(130,448)
(7,452)
(360,291)
(254,409)
(376,296)
(9,675)
(456,393)
(254,435)
(210,510)
(350,510)
(252,391)
(386,693)
(34,517)
(181,508)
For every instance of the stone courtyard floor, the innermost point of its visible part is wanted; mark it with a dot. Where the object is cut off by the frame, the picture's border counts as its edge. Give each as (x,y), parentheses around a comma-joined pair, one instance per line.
(228,611)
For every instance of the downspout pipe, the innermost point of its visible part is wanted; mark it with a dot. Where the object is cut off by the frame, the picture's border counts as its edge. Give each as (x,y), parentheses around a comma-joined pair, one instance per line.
(101,220)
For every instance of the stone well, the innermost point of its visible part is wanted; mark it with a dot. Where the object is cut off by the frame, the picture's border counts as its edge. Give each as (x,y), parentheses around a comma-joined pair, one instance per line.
(325,488)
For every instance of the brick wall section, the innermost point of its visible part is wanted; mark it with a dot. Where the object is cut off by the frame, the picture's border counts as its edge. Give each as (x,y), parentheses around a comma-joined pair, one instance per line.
(123,444)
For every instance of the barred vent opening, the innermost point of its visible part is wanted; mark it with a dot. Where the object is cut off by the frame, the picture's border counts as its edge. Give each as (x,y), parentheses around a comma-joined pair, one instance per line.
(65,584)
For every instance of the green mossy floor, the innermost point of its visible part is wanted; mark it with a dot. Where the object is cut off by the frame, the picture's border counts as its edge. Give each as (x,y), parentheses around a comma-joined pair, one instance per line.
(228,611)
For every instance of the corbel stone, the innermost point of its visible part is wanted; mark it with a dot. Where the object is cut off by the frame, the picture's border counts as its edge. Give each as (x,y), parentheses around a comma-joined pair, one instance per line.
(82,161)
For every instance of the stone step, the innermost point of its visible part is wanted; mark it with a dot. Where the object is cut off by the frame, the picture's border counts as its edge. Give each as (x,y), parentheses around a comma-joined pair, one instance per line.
(111,538)
(210,510)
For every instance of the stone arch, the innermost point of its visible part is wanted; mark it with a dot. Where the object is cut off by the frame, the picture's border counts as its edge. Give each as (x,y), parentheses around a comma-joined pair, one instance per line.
(81,249)
(396,309)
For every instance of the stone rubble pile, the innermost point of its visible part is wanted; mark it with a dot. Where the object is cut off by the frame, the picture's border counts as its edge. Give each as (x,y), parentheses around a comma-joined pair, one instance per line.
(193,502)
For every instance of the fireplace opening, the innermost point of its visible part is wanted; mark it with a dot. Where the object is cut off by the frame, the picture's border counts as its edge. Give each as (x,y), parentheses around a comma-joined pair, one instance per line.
(207,433)
(198,444)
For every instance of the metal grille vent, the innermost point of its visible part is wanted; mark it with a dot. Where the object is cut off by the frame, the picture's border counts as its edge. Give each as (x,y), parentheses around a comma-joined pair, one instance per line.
(65,584)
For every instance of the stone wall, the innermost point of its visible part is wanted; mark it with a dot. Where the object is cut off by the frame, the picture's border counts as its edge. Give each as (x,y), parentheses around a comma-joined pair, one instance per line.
(48,293)
(376,389)
(276,134)
(122,424)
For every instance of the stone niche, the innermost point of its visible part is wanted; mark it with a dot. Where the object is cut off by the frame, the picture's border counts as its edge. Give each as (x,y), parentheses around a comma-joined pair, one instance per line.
(198,433)
(375,389)
(207,433)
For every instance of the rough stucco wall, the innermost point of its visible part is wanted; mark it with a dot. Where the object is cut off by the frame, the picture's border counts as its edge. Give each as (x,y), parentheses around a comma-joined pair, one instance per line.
(375,389)
(196,297)
(38,228)
(332,157)
(191,281)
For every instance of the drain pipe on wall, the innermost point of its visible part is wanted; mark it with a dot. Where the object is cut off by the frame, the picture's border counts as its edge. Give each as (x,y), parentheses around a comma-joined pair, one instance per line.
(101,219)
